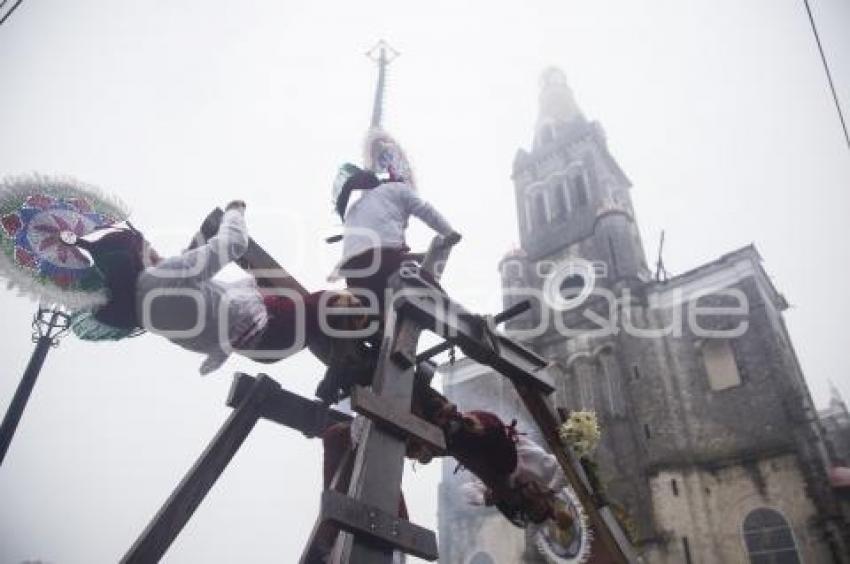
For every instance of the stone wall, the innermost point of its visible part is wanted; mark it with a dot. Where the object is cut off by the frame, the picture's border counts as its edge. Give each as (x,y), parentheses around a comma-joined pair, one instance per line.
(708,508)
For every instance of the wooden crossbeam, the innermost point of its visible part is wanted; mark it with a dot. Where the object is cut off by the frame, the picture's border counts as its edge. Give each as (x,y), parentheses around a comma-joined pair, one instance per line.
(509,313)
(196,484)
(311,417)
(379,527)
(397,419)
(267,271)
(502,353)
(252,399)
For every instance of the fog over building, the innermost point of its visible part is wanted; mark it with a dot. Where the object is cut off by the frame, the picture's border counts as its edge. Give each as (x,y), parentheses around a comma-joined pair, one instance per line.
(710,438)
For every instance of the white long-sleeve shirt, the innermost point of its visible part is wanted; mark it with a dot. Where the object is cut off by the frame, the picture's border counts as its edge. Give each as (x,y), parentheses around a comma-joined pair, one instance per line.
(179,299)
(536,465)
(379,218)
(533,465)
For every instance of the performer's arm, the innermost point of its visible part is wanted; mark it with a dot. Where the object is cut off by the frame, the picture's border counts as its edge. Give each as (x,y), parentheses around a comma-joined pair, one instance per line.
(205,261)
(418,207)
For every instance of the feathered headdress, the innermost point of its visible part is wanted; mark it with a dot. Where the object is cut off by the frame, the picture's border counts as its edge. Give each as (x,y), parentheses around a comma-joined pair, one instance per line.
(383,155)
(41,219)
(566,537)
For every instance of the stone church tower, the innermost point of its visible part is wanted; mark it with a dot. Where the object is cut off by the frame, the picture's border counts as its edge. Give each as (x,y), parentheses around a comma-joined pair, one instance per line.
(711,441)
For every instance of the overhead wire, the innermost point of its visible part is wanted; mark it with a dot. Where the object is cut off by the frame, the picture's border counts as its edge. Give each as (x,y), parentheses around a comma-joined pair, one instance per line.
(9,13)
(828,73)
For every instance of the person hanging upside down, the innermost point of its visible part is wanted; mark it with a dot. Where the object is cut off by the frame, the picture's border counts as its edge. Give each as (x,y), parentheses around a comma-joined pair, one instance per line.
(181,298)
(511,472)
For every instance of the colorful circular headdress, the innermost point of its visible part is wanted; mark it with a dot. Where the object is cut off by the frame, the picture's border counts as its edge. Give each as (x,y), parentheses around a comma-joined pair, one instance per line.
(384,156)
(41,218)
(565,540)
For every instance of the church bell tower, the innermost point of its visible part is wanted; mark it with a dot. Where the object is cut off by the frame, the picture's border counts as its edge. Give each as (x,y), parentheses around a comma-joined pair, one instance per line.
(580,252)
(576,222)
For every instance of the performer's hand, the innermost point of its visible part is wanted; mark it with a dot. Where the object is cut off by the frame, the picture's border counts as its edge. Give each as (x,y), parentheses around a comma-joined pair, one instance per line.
(452,239)
(236,205)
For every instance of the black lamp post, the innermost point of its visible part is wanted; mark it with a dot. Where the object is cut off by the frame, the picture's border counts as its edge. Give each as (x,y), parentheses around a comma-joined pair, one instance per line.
(48,325)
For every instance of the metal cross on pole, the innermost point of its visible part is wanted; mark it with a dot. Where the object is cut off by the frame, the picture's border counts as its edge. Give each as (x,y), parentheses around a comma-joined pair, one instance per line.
(48,325)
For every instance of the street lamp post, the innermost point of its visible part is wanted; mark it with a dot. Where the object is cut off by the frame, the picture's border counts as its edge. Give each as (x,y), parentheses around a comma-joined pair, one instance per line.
(48,325)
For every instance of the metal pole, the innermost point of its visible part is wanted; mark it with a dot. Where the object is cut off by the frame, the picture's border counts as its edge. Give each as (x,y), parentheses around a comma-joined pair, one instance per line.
(48,326)
(383,55)
(22,394)
(377,106)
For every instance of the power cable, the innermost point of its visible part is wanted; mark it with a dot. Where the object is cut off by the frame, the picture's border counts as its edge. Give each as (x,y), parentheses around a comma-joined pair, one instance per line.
(12,9)
(828,74)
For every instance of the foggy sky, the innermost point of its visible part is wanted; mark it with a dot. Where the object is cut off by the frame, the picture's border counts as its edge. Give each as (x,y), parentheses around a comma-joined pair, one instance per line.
(717,110)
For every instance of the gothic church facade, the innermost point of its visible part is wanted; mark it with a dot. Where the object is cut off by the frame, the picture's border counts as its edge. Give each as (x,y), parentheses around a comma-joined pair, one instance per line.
(710,438)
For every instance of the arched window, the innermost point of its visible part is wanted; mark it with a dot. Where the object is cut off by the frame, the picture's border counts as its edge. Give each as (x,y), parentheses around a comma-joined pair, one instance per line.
(559,198)
(540,215)
(768,538)
(579,190)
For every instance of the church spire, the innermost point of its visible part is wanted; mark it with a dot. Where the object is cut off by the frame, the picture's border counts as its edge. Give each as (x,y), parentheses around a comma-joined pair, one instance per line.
(557,104)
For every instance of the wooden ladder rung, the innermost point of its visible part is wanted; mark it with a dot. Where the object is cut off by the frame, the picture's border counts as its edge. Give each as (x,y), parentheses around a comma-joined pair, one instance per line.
(397,420)
(361,519)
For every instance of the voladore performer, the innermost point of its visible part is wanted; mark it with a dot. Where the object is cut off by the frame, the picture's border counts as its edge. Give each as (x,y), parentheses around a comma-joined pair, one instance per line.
(512,473)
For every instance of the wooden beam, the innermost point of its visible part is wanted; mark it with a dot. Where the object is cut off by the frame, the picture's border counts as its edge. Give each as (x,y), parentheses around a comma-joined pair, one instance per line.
(507,314)
(311,417)
(325,531)
(379,464)
(604,524)
(378,526)
(401,421)
(498,351)
(196,484)
(268,272)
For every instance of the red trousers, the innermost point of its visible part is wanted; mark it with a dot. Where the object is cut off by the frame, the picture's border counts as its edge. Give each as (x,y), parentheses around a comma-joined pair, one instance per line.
(281,332)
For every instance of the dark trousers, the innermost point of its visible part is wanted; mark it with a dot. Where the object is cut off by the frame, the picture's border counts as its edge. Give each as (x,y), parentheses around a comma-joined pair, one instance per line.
(383,261)
(388,261)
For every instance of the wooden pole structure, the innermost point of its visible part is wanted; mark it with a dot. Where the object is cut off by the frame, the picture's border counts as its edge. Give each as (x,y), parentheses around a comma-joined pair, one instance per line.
(367,517)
